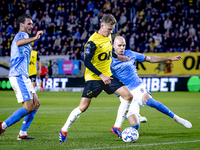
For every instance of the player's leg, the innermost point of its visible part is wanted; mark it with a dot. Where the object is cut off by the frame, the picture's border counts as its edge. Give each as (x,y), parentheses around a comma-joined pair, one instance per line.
(162,108)
(91,89)
(74,115)
(127,97)
(28,120)
(19,86)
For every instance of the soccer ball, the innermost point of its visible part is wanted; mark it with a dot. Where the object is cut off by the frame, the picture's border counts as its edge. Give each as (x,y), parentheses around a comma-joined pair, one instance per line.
(130,135)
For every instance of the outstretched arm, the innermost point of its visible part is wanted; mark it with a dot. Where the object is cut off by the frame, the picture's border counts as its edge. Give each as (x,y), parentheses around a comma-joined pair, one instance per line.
(156,59)
(22,42)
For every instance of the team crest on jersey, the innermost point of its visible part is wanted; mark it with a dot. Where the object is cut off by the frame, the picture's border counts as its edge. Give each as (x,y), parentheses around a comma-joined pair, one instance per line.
(87,51)
(142,90)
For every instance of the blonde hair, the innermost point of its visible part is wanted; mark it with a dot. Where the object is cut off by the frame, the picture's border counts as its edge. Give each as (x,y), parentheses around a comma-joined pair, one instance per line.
(108,19)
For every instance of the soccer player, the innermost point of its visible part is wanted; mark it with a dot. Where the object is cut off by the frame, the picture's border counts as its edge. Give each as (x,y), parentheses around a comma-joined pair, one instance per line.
(32,67)
(127,73)
(98,76)
(19,77)
(43,75)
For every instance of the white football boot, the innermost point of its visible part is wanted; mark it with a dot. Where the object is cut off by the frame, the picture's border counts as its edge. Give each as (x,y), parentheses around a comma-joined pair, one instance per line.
(142,119)
(182,121)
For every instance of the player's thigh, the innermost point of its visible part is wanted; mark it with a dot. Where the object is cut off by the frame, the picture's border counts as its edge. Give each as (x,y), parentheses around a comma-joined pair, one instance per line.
(23,88)
(125,93)
(141,94)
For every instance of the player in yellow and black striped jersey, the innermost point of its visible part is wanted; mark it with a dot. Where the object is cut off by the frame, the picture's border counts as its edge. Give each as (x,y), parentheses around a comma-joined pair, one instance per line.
(98,76)
(32,67)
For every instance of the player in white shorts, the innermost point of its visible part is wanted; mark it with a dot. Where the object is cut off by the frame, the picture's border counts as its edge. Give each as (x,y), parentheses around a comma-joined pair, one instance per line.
(127,73)
(23,88)
(19,77)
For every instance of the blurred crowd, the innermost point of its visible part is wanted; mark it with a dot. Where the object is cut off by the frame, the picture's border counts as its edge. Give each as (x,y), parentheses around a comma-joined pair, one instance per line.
(149,26)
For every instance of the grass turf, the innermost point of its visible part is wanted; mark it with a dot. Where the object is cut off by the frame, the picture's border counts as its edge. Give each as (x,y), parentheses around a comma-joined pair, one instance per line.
(92,129)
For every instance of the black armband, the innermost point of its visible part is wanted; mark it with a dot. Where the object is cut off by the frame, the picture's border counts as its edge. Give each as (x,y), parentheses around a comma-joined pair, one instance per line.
(114,55)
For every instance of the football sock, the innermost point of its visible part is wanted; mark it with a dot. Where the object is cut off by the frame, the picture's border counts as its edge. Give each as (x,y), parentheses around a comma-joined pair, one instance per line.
(16,116)
(74,115)
(160,107)
(4,125)
(136,126)
(123,107)
(27,122)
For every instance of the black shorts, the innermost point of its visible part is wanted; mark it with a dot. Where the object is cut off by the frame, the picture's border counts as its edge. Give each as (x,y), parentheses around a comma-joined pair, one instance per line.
(33,78)
(93,88)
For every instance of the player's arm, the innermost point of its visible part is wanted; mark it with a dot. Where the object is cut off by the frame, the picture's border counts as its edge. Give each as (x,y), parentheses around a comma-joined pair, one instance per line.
(39,65)
(89,53)
(120,57)
(156,59)
(22,42)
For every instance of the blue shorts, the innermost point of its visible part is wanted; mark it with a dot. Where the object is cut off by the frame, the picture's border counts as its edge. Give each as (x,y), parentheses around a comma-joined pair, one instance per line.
(93,88)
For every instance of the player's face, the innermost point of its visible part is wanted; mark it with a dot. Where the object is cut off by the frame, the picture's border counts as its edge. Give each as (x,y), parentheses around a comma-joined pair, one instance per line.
(27,26)
(107,29)
(120,46)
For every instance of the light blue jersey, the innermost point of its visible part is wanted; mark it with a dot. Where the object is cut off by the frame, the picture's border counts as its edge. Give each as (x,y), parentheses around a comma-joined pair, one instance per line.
(20,56)
(126,71)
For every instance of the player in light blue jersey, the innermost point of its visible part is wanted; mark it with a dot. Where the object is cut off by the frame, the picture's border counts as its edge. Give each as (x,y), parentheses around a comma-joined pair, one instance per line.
(19,77)
(127,73)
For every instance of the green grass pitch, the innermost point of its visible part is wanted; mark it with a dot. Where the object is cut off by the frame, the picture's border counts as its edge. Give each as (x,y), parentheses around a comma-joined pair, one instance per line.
(92,130)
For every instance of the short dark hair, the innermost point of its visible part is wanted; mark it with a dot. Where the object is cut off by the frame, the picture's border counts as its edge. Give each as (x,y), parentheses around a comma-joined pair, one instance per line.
(21,19)
(108,19)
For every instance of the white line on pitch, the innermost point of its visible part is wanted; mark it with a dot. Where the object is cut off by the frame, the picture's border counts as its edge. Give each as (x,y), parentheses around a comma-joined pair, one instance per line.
(153,144)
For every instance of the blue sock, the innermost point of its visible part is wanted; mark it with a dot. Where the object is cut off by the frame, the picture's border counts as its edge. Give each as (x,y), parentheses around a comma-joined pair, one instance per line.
(16,116)
(28,120)
(136,126)
(160,107)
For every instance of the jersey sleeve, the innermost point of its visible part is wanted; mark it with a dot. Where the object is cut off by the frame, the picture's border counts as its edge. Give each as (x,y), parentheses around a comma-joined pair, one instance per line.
(19,36)
(89,53)
(139,57)
(38,58)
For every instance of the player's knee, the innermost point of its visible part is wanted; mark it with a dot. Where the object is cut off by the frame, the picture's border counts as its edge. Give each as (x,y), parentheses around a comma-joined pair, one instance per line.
(37,105)
(29,109)
(83,108)
(129,97)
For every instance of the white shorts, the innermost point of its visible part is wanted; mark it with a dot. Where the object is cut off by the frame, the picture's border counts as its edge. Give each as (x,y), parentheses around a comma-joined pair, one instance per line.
(23,88)
(137,93)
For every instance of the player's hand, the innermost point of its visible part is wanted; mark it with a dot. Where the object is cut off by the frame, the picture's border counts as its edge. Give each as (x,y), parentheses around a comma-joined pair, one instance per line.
(176,58)
(39,33)
(122,58)
(105,79)
(39,72)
